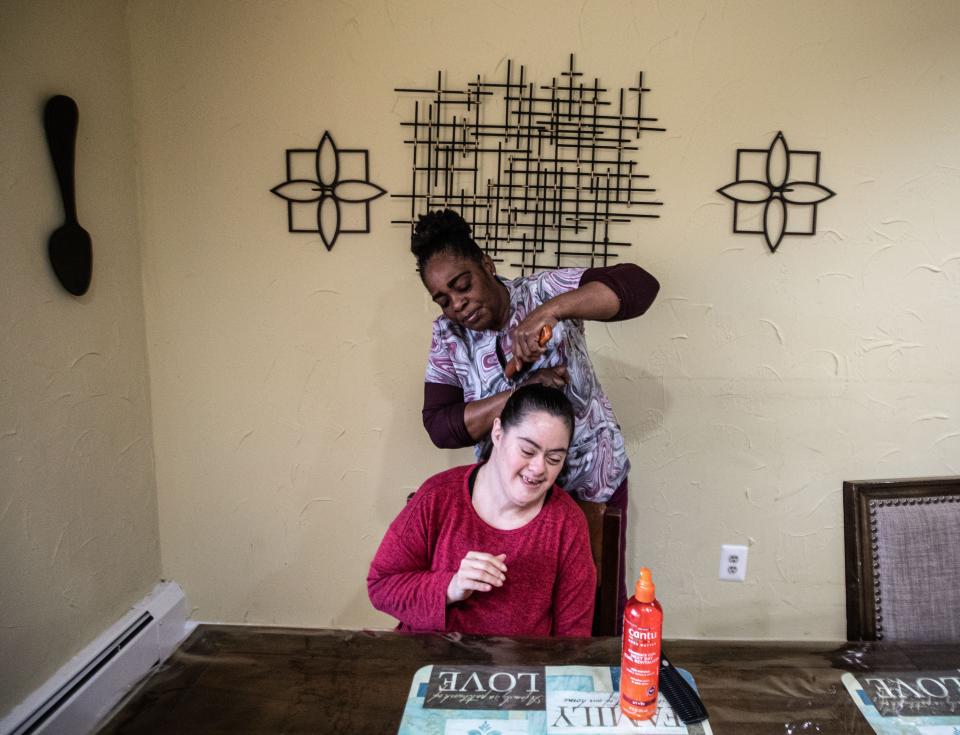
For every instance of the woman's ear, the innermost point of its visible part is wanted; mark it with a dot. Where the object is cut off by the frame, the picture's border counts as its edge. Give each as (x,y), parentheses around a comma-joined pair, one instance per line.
(488,265)
(496,433)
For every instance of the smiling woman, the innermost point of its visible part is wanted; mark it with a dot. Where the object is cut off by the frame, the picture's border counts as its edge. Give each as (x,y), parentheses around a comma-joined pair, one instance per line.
(496,548)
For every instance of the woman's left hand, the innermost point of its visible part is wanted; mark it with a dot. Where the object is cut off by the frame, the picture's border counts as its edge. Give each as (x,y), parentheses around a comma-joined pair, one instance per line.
(526,335)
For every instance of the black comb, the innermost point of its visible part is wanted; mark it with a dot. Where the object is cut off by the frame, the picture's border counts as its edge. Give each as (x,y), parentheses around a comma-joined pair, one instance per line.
(681,696)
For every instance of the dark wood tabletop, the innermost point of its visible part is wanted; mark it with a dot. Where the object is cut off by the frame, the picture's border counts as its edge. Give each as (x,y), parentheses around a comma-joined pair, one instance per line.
(242,679)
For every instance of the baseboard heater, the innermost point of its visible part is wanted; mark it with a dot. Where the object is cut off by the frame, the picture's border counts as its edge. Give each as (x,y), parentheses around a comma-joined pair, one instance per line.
(78,697)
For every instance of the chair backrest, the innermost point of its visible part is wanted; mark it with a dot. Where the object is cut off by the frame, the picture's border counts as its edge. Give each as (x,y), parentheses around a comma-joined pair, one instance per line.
(604,524)
(902,548)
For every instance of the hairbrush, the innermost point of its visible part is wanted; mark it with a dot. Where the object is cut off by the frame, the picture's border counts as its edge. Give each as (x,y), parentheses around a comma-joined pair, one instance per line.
(513,367)
(682,697)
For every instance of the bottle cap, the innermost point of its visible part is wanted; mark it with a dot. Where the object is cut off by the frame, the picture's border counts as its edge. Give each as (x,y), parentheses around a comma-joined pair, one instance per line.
(645,589)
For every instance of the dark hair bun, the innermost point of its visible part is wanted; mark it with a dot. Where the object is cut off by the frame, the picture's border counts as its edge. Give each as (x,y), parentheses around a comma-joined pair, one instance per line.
(442,230)
(439,228)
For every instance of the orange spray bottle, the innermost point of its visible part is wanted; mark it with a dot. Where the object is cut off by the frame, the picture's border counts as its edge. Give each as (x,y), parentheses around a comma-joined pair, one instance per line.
(640,664)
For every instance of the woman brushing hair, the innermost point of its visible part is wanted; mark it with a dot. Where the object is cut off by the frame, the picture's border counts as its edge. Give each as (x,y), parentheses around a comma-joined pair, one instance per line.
(486,318)
(495,548)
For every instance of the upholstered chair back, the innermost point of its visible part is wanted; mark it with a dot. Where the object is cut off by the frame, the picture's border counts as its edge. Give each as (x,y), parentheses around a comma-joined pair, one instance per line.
(902,542)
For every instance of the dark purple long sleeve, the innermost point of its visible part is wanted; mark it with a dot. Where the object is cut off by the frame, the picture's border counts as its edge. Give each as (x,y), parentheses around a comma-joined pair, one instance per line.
(635,288)
(443,409)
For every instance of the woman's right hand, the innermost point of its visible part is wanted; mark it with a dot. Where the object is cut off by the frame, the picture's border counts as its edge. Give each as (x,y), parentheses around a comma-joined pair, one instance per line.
(479,572)
(552,377)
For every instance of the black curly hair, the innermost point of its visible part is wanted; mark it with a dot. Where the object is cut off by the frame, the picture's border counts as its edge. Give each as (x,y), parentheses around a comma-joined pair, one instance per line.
(443,231)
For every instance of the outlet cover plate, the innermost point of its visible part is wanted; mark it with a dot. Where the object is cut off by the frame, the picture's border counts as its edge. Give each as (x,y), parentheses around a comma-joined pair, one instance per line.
(733,563)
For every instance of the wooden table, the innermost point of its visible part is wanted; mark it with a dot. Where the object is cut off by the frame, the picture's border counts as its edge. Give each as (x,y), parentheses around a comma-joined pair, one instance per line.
(241,679)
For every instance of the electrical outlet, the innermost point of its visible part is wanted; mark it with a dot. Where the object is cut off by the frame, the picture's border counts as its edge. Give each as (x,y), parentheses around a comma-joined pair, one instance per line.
(733,563)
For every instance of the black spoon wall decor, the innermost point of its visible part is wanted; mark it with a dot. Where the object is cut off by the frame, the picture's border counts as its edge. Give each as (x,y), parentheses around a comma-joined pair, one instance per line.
(70,248)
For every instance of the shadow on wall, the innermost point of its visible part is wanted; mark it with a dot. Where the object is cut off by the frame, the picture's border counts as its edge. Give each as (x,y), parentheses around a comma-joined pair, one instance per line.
(640,402)
(401,354)
(639,399)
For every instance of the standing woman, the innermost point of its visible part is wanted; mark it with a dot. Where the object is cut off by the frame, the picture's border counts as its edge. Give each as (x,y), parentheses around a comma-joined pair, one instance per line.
(487,319)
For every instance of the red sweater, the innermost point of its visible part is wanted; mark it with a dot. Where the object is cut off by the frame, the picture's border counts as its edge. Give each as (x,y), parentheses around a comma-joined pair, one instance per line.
(551,579)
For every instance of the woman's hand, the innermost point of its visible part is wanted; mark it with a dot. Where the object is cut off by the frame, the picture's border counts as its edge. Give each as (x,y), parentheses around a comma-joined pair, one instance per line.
(593,300)
(526,335)
(479,572)
(552,377)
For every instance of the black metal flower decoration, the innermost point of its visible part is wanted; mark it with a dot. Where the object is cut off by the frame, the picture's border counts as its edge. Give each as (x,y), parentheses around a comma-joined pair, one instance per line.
(334,181)
(783,196)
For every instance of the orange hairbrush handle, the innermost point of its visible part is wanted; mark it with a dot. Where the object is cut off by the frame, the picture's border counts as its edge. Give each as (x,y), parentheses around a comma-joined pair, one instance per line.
(512,367)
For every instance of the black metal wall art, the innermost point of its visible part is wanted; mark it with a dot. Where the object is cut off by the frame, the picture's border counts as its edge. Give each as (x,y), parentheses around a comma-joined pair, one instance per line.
(539,171)
(328,190)
(70,248)
(778,187)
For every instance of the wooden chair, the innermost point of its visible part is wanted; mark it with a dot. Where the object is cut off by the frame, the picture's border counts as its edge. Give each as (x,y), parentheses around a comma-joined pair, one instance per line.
(604,524)
(902,549)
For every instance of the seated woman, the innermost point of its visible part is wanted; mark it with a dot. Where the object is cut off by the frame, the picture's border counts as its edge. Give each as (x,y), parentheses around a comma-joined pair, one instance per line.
(495,548)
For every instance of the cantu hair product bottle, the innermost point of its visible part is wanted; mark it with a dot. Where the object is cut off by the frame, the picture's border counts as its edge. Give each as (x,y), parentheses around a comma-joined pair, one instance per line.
(640,664)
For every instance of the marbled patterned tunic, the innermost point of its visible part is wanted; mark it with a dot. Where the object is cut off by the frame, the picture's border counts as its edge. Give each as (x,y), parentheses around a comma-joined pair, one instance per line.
(597,462)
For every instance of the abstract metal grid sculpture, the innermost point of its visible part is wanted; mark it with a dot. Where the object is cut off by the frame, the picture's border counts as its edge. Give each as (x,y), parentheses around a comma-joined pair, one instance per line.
(540,172)
(788,192)
(328,190)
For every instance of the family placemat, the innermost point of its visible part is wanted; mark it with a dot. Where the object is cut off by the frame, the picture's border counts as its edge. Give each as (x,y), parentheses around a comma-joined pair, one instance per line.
(534,700)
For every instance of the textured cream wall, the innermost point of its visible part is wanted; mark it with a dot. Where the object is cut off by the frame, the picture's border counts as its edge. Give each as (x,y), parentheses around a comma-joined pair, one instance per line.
(286,379)
(79,540)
